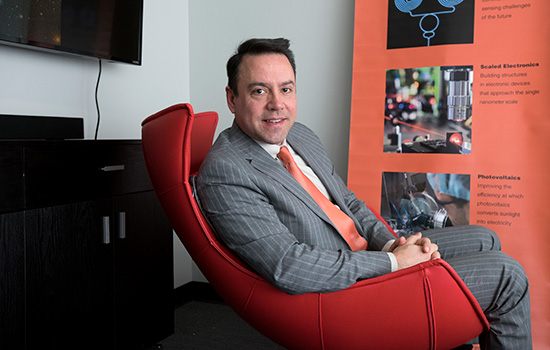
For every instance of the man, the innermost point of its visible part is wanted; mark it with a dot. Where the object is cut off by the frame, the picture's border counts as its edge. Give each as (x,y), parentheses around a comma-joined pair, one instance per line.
(262,213)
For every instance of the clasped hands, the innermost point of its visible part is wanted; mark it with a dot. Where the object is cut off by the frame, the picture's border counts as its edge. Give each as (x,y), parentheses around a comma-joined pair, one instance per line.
(414,250)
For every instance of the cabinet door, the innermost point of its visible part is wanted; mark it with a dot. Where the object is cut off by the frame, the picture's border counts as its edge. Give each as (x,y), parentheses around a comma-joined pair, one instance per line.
(70,293)
(12,281)
(144,282)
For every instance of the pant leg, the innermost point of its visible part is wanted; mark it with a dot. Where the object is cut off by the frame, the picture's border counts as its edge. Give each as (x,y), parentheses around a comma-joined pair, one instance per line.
(497,281)
(501,288)
(460,240)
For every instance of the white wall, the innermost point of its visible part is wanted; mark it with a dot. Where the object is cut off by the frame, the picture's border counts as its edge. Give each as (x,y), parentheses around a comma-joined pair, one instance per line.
(38,83)
(321,34)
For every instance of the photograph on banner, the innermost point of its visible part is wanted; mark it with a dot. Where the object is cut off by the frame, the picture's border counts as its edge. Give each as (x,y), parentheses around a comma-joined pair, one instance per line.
(414,23)
(412,202)
(428,110)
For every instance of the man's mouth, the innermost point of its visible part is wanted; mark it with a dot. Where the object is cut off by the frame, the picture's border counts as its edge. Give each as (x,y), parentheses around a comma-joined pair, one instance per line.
(274,121)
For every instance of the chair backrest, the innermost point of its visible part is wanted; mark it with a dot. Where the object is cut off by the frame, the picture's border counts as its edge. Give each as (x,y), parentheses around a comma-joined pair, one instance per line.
(175,142)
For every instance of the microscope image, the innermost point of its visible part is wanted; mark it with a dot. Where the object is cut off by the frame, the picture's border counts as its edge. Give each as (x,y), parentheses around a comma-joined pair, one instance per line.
(413,202)
(428,110)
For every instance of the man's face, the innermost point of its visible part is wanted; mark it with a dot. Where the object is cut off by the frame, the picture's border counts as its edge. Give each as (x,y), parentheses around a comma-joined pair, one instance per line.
(265,107)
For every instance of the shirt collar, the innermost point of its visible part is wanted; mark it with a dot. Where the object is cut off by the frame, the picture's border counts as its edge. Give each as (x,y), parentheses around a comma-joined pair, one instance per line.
(272,149)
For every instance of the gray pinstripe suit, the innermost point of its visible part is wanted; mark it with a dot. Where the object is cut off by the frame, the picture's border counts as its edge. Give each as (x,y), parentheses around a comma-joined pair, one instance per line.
(263,214)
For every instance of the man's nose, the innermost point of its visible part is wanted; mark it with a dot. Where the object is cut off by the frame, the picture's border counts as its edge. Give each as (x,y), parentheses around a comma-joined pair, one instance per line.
(275,102)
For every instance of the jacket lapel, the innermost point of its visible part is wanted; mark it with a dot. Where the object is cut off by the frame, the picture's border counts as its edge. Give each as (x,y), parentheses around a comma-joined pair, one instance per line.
(264,163)
(324,169)
(321,165)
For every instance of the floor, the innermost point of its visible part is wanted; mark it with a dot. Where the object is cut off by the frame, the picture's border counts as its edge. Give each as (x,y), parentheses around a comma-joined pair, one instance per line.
(206,325)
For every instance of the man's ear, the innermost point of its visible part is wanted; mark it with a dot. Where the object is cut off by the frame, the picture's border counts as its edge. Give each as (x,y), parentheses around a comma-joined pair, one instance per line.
(230,96)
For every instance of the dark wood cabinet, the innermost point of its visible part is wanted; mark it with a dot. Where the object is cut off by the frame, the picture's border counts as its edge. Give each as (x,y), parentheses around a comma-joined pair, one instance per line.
(86,252)
(12,281)
(138,263)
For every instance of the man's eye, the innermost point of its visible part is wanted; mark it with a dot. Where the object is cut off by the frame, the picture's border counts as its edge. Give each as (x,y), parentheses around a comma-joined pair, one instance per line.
(287,90)
(258,91)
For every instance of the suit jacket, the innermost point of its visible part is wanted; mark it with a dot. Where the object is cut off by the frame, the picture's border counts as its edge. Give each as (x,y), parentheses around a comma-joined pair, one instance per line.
(263,214)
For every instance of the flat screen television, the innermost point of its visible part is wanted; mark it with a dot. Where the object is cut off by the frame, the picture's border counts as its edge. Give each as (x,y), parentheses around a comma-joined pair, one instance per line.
(106,29)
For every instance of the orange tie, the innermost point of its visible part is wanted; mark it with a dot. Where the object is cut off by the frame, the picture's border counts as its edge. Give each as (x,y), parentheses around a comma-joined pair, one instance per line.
(341,220)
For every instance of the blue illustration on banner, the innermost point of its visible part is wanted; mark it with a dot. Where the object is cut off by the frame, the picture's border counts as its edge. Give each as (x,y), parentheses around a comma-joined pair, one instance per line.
(407,6)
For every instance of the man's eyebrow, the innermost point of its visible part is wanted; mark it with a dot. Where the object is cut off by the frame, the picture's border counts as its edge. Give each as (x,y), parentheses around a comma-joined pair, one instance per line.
(259,83)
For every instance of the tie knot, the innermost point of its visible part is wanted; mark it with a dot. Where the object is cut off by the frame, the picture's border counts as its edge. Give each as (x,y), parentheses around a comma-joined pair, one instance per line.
(284,155)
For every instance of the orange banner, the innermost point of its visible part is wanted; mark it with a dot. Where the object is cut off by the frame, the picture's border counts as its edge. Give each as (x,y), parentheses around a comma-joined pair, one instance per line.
(449,123)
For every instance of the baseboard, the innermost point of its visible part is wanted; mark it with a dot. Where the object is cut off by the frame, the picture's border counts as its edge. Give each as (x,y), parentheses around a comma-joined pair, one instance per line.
(195,291)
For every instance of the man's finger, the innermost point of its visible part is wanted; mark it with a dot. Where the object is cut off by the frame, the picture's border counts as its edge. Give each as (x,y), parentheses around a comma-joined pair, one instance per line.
(414,238)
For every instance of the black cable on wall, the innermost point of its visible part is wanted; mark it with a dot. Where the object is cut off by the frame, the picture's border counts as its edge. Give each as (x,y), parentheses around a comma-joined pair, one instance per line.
(97,101)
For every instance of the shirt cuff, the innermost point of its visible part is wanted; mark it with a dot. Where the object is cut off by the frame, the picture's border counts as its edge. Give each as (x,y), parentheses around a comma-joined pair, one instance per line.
(393,260)
(388,245)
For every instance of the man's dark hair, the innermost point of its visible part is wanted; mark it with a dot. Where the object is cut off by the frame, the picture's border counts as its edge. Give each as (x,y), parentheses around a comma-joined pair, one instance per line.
(257,47)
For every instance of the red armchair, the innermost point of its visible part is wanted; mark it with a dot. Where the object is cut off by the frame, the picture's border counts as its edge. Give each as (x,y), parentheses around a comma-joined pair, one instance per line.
(423,307)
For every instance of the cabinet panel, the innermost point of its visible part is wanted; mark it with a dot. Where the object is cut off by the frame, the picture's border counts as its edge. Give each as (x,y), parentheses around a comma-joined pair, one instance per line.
(11,177)
(75,171)
(133,178)
(12,281)
(144,285)
(61,285)
(70,295)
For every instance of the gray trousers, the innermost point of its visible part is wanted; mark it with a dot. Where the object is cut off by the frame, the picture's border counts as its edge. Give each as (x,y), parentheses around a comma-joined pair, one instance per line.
(498,282)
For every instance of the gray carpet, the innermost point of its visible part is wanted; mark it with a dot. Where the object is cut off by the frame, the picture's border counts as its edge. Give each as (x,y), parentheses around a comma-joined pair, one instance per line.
(204,325)
(209,325)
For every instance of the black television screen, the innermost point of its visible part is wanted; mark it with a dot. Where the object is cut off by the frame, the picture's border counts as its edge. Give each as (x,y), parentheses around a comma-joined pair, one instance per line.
(106,29)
